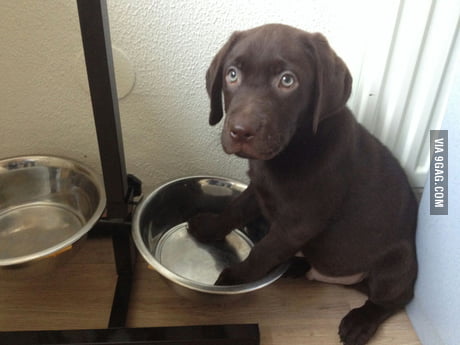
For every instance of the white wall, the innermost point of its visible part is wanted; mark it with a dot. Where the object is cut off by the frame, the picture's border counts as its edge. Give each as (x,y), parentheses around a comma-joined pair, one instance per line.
(168,44)
(435,310)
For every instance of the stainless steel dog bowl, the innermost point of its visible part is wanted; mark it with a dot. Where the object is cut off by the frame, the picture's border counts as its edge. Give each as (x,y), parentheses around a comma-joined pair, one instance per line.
(47,204)
(191,268)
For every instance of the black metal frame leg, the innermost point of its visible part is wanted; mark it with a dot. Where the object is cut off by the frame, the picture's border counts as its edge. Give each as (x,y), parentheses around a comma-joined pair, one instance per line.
(97,47)
(191,335)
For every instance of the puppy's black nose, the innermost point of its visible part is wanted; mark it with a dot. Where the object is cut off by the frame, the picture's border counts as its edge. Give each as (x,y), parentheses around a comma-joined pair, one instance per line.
(241,133)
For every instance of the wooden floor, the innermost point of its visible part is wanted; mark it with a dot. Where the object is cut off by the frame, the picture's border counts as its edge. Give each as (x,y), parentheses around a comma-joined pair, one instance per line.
(79,296)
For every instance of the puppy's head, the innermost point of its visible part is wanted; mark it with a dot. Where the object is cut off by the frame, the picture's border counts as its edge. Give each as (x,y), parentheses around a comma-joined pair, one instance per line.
(276,81)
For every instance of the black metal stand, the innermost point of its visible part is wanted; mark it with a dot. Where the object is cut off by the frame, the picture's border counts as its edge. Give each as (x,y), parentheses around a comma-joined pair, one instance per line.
(121,189)
(95,34)
(190,335)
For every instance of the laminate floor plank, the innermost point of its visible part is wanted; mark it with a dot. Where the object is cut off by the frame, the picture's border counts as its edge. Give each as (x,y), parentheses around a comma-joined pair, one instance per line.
(79,296)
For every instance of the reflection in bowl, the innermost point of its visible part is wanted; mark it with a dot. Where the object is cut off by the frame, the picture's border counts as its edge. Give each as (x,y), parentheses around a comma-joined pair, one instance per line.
(47,204)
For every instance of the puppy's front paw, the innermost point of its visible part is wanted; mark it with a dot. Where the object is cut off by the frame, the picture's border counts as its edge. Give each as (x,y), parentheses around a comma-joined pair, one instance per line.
(229,277)
(205,227)
(239,274)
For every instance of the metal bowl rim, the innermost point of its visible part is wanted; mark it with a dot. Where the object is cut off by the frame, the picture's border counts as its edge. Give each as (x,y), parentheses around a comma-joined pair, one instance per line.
(184,282)
(95,178)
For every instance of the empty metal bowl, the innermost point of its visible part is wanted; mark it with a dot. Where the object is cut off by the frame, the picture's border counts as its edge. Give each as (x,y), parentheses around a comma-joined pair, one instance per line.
(47,204)
(191,268)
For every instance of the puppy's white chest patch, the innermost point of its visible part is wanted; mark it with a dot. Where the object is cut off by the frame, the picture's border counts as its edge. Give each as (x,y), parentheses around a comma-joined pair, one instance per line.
(313,274)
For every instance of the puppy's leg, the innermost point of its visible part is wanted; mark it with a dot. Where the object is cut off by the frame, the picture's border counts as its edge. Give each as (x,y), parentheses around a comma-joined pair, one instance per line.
(275,248)
(209,227)
(390,286)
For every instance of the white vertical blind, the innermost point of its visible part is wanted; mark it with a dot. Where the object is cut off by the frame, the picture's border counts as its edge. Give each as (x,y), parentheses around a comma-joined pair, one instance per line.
(406,77)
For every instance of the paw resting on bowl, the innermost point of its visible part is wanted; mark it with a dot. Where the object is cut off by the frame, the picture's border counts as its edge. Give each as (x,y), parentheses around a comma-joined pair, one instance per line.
(205,227)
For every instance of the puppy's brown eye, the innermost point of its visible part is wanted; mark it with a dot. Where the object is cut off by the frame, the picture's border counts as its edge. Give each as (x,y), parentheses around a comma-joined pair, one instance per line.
(287,81)
(232,75)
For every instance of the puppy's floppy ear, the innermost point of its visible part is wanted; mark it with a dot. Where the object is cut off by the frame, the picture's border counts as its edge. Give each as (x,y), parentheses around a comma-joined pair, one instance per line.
(214,78)
(333,80)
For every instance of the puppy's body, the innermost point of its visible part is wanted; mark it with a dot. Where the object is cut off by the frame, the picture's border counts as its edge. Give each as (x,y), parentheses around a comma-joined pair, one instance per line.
(326,186)
(346,183)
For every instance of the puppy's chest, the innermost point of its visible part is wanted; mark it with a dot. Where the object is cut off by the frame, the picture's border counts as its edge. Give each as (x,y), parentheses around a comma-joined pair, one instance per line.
(269,193)
(267,204)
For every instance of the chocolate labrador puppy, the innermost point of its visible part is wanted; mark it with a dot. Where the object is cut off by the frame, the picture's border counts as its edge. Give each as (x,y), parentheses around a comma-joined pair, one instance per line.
(327,187)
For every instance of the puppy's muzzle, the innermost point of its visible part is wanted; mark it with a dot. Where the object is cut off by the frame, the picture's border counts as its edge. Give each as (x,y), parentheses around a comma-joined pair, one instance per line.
(242,135)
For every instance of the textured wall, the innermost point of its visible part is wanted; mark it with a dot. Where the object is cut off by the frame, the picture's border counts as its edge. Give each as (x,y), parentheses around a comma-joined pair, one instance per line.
(168,44)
